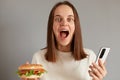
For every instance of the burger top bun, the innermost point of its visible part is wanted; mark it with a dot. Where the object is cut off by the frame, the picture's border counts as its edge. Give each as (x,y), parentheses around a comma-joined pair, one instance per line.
(30,66)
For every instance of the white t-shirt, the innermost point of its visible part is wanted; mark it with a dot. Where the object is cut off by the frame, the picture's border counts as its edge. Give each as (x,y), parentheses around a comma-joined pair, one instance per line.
(66,68)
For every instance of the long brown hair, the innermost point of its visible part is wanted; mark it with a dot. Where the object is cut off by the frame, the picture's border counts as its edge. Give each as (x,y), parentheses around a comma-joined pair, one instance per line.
(76,45)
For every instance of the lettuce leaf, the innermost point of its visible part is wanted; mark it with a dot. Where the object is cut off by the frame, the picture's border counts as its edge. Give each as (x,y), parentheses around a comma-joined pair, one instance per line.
(31,72)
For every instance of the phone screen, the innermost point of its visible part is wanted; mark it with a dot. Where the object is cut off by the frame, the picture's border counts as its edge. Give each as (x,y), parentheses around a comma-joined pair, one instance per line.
(103,54)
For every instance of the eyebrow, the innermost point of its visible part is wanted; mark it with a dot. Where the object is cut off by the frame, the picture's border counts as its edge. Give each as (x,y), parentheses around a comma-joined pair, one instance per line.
(60,15)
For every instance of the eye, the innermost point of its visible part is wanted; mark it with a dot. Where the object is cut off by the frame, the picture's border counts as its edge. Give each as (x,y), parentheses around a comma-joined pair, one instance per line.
(58,19)
(70,19)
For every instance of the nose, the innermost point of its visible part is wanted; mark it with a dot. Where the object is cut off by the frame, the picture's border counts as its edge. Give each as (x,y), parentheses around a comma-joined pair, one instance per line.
(64,22)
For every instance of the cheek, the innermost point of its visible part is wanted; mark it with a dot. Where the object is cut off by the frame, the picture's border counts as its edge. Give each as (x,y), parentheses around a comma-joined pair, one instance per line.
(55,29)
(72,29)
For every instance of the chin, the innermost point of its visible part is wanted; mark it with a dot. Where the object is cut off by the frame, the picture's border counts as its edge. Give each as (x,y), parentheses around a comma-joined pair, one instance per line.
(65,44)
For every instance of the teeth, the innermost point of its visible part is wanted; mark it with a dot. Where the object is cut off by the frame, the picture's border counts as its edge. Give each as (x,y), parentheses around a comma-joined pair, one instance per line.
(64,30)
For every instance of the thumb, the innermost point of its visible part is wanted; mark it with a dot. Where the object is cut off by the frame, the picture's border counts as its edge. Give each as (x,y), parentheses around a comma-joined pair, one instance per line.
(27,62)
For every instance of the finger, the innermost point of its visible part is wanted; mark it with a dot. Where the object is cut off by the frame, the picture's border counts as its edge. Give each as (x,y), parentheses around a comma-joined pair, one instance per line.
(96,72)
(30,78)
(103,67)
(93,75)
(37,79)
(100,63)
(98,68)
(23,79)
(104,63)
(27,62)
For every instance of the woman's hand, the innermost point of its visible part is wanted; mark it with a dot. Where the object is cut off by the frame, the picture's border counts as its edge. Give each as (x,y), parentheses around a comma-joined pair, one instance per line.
(30,79)
(97,72)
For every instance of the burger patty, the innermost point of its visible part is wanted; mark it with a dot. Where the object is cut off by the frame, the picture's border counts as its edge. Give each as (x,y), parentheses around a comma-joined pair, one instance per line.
(22,72)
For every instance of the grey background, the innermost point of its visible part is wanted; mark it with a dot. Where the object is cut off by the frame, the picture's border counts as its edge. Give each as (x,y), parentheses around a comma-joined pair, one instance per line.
(23,28)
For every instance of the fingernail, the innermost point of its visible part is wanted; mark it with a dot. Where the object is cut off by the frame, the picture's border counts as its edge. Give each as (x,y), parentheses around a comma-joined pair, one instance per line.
(90,66)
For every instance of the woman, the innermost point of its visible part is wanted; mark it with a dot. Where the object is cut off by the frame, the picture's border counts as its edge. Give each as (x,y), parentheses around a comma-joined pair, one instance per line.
(65,58)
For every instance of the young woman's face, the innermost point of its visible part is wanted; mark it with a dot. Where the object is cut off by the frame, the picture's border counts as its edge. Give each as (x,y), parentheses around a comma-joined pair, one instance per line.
(63,25)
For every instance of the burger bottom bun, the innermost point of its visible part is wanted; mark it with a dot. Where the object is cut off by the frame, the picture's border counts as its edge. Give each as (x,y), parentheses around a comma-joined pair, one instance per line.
(31,77)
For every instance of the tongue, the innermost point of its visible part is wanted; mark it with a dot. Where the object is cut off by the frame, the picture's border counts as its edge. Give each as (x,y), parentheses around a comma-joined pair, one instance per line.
(63,35)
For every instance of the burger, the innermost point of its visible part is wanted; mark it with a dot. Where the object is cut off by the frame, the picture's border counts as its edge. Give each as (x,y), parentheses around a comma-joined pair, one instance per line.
(30,71)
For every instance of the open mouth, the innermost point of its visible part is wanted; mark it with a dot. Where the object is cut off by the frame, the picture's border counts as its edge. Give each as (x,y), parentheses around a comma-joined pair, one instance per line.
(64,33)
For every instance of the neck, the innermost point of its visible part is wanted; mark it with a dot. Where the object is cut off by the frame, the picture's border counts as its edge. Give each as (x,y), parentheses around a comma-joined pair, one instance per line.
(64,48)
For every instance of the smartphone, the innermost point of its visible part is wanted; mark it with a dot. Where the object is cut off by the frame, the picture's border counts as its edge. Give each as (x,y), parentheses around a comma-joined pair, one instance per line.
(103,53)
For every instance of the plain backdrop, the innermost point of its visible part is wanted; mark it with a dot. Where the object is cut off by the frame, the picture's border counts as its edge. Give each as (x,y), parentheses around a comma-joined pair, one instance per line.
(23,28)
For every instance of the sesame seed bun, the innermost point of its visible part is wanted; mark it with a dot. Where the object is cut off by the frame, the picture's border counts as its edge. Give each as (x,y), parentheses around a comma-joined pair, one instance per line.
(30,66)
(31,71)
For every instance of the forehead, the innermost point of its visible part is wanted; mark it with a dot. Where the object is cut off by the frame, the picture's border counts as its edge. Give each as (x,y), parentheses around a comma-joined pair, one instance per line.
(63,10)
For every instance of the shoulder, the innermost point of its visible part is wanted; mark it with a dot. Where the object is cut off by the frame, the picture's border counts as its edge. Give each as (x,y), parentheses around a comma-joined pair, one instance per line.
(91,54)
(40,52)
(39,56)
(89,51)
